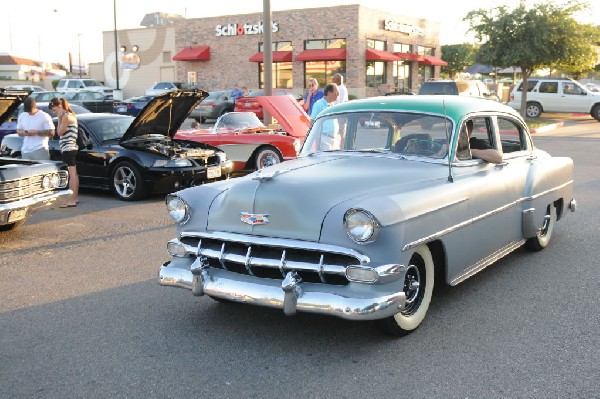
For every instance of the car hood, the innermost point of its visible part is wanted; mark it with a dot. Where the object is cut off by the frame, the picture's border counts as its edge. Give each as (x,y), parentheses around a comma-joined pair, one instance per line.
(296,196)
(164,114)
(9,102)
(288,113)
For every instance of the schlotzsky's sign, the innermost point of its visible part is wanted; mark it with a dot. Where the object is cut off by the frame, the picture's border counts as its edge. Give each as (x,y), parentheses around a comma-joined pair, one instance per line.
(395,26)
(244,29)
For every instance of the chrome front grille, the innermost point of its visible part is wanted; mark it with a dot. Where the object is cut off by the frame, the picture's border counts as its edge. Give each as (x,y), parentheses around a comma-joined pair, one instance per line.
(18,189)
(267,259)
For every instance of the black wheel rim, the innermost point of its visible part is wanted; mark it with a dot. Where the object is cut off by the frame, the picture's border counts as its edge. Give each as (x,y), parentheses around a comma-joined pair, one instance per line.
(414,285)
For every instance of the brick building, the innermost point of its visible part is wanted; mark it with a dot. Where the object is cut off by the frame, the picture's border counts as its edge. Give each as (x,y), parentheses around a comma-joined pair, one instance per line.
(375,51)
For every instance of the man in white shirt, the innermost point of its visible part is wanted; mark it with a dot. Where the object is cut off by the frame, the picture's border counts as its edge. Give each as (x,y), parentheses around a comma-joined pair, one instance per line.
(35,126)
(338,79)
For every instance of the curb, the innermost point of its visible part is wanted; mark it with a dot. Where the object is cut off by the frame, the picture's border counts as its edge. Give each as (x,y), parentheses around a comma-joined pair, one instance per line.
(546,128)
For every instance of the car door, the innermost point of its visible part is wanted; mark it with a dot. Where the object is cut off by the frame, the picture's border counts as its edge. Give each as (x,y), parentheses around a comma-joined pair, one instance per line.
(573,98)
(494,193)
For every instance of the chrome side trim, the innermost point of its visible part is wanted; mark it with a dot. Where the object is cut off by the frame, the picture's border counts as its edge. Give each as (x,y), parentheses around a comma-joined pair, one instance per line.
(451,229)
(485,262)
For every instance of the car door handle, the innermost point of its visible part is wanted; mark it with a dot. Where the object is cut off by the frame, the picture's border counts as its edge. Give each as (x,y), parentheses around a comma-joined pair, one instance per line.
(501,164)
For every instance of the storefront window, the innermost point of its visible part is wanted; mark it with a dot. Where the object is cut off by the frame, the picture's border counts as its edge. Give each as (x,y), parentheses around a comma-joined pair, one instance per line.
(425,71)
(376,44)
(282,71)
(323,71)
(401,71)
(375,73)
(401,48)
(282,75)
(324,44)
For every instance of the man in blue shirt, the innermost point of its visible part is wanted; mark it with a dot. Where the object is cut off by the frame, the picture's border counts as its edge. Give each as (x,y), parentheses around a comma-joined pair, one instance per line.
(331,93)
(235,93)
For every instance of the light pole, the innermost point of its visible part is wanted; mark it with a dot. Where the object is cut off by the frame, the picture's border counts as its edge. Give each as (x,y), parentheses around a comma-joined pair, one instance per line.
(79,50)
(116,45)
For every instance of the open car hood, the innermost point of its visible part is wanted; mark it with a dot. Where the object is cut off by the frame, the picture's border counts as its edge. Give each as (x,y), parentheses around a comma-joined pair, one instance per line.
(288,113)
(9,102)
(165,113)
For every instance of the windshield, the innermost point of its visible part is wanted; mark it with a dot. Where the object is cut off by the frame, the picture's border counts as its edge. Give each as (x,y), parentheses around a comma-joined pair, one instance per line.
(396,132)
(237,121)
(110,128)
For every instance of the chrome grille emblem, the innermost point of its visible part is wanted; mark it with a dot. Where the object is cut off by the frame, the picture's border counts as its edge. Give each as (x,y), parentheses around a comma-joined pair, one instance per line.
(255,218)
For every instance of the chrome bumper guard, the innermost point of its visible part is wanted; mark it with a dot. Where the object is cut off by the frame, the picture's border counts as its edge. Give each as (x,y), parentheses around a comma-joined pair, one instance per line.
(291,294)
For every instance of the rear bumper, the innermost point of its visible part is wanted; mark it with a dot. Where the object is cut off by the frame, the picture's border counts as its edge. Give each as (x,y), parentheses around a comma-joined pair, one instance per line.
(353,302)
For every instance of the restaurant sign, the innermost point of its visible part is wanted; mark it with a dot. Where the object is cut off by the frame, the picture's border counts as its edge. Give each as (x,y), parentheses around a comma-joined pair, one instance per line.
(244,29)
(395,26)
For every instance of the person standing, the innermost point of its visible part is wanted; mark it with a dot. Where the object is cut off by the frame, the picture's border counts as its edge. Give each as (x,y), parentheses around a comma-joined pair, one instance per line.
(331,93)
(36,127)
(235,93)
(312,95)
(67,131)
(338,79)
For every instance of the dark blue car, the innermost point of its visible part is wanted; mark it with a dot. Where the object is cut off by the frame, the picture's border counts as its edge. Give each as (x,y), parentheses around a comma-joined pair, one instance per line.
(132,106)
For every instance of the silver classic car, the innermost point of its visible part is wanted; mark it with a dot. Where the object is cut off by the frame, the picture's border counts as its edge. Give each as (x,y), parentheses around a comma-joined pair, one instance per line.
(386,200)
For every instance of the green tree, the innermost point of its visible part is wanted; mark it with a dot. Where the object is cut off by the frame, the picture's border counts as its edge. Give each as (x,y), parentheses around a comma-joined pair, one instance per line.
(542,36)
(458,56)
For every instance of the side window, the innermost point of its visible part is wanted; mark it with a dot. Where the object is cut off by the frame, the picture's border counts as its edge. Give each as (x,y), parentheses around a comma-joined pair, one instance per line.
(61,84)
(480,130)
(73,84)
(512,136)
(549,87)
(571,88)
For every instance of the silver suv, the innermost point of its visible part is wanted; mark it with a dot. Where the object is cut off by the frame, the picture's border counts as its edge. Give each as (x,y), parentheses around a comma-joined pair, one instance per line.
(472,88)
(75,85)
(556,95)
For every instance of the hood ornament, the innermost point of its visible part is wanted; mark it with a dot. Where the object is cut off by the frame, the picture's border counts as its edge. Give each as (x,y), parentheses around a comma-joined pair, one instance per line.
(262,174)
(255,218)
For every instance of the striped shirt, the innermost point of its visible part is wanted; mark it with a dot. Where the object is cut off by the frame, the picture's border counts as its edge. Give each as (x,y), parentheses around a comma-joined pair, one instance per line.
(68,141)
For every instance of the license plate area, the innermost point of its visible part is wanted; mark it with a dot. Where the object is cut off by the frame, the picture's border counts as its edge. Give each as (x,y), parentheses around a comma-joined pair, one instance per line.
(122,109)
(213,172)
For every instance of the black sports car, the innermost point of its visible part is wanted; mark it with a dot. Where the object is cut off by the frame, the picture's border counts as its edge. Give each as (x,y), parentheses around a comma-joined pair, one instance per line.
(138,156)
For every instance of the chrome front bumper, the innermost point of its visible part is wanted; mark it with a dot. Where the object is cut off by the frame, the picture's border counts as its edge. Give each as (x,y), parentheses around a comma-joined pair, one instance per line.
(290,295)
(35,204)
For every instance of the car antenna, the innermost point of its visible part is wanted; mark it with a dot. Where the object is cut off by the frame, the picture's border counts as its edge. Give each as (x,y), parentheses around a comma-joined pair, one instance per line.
(450,178)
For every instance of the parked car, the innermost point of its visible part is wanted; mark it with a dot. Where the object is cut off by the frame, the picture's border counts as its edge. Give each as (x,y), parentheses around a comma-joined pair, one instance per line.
(26,186)
(592,87)
(45,96)
(10,126)
(137,156)
(73,85)
(131,106)
(250,103)
(31,88)
(367,221)
(163,87)
(216,104)
(556,95)
(472,88)
(248,143)
(91,100)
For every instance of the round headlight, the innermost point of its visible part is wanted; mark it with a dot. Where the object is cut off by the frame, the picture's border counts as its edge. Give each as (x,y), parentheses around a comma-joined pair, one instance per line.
(55,180)
(360,225)
(178,209)
(46,182)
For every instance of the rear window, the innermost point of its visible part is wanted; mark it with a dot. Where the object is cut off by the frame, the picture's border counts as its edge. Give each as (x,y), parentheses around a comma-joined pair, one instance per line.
(91,83)
(530,85)
(439,88)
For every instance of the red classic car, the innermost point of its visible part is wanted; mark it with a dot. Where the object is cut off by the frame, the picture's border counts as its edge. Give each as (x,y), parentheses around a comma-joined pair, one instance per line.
(250,103)
(248,142)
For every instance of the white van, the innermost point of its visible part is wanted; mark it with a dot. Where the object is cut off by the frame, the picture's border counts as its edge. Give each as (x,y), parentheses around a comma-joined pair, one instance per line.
(73,85)
(556,95)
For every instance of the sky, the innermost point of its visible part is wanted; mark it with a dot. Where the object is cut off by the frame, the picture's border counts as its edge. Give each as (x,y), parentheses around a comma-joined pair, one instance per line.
(49,30)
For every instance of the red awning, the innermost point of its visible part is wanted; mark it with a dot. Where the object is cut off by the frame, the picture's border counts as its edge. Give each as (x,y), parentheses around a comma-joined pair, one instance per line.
(409,56)
(278,56)
(330,54)
(380,55)
(431,60)
(198,53)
